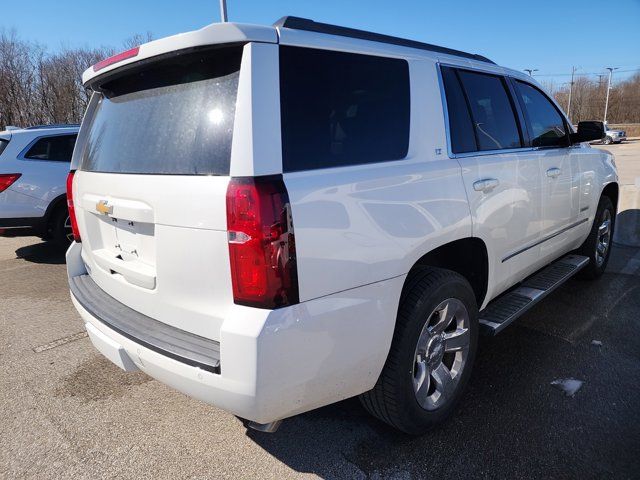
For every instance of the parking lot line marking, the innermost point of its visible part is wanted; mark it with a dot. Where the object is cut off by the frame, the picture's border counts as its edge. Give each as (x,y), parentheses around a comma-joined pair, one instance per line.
(60,341)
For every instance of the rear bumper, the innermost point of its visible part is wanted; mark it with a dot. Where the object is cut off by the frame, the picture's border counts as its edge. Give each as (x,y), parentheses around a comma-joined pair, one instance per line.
(157,336)
(273,363)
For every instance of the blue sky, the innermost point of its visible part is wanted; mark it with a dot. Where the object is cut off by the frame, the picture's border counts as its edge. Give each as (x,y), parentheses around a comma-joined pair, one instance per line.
(551,36)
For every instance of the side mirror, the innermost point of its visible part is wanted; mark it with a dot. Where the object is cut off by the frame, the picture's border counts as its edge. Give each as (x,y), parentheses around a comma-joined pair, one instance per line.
(588,131)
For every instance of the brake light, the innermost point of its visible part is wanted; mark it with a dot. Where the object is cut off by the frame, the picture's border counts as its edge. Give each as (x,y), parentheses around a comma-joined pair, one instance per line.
(133,52)
(71,208)
(7,179)
(261,242)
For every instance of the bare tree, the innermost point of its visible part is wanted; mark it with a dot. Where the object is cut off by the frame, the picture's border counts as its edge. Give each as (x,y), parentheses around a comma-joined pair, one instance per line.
(137,39)
(588,99)
(40,87)
(18,79)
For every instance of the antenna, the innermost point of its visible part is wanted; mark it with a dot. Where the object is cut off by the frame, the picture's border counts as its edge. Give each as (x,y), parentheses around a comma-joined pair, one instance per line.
(223,11)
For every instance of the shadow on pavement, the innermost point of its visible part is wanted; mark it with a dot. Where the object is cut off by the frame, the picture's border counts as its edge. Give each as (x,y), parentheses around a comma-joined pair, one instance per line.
(43,252)
(627,231)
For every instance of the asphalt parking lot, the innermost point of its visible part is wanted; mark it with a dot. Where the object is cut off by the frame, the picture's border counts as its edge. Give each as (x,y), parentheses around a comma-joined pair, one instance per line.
(66,412)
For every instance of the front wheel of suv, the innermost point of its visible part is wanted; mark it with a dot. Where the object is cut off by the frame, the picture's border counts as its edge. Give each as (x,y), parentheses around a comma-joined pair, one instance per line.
(597,246)
(432,353)
(607,140)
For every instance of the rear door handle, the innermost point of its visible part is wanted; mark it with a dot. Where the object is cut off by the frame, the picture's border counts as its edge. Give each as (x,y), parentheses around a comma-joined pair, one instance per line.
(486,184)
(553,172)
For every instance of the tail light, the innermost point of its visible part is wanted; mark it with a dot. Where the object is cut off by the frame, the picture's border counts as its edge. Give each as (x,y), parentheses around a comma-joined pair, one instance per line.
(7,179)
(71,208)
(261,242)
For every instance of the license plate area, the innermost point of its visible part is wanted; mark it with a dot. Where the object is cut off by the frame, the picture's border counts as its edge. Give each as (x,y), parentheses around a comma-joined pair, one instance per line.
(122,239)
(135,241)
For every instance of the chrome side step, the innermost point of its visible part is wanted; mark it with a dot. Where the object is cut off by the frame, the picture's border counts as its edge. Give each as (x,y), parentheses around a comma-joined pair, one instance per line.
(505,309)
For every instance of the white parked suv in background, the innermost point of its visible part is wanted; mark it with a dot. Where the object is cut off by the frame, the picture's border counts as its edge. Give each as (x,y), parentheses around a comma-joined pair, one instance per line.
(271,219)
(34,163)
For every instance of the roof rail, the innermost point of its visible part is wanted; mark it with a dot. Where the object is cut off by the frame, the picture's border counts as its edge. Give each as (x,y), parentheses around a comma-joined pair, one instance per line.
(54,125)
(298,23)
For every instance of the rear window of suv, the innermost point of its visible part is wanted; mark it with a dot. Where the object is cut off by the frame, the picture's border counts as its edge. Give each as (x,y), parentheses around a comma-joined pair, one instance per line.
(172,116)
(341,108)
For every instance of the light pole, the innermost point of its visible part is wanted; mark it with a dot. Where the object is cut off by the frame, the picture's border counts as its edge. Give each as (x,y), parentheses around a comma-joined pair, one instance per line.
(223,10)
(606,102)
(530,71)
(573,71)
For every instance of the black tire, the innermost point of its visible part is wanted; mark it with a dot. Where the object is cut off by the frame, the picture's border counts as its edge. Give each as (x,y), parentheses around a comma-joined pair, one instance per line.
(597,262)
(60,228)
(607,140)
(393,399)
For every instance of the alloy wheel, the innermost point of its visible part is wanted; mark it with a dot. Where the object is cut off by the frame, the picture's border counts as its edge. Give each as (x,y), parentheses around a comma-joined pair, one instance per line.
(441,354)
(68,232)
(604,238)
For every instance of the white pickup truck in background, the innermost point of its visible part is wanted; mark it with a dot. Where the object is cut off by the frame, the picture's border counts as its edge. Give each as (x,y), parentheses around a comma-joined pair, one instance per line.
(614,136)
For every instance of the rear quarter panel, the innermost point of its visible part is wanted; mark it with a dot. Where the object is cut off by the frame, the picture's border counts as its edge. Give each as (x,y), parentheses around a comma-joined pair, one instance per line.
(362,224)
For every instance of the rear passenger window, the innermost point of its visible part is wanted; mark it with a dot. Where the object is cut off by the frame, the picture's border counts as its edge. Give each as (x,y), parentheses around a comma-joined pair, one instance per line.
(491,110)
(342,109)
(3,144)
(460,125)
(545,122)
(58,148)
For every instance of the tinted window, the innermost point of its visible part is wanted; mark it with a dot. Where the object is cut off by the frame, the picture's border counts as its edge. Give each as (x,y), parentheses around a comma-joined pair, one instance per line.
(58,148)
(545,122)
(174,116)
(342,108)
(460,125)
(493,115)
(3,144)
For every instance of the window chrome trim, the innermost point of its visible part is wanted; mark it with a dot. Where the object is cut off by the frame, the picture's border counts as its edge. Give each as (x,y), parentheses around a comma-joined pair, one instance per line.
(480,153)
(445,109)
(548,237)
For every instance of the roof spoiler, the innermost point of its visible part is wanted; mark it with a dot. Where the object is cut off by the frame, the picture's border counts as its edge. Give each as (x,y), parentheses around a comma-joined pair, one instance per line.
(297,23)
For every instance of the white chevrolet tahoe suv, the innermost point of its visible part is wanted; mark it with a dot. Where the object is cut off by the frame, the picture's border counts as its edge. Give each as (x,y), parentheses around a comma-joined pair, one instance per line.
(274,218)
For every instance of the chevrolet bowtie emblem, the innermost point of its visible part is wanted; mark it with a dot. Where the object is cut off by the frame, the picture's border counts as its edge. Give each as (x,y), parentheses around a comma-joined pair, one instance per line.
(103,207)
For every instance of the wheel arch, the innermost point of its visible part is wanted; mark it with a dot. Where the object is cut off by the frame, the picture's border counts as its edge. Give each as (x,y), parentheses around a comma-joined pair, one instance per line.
(612,190)
(466,256)
(57,203)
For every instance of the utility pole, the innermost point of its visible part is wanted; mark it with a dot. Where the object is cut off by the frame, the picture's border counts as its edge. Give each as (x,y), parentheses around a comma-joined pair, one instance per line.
(606,102)
(573,72)
(530,71)
(223,10)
